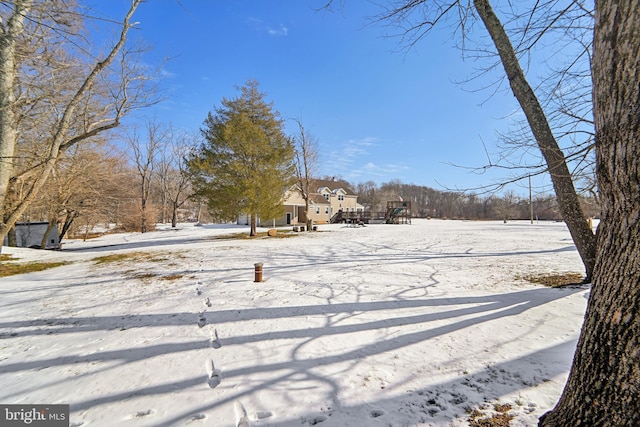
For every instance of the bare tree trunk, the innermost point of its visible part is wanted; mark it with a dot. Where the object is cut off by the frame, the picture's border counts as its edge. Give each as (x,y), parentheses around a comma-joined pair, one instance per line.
(174,215)
(87,227)
(254,221)
(306,165)
(164,202)
(561,178)
(71,216)
(12,238)
(307,208)
(198,212)
(604,382)
(9,34)
(143,209)
(144,155)
(45,238)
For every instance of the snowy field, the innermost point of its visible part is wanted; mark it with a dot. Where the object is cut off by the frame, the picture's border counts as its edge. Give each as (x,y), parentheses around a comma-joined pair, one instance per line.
(384,325)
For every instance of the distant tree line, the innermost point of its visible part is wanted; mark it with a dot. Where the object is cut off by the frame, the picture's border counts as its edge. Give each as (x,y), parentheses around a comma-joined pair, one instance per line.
(427,202)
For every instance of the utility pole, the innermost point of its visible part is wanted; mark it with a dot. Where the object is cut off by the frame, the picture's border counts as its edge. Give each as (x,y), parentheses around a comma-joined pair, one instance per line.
(530,201)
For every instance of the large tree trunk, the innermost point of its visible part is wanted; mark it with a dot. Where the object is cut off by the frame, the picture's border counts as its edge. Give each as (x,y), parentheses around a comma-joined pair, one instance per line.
(9,33)
(566,195)
(603,388)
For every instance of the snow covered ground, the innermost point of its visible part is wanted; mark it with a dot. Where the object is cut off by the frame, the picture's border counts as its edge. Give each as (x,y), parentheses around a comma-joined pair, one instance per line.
(384,325)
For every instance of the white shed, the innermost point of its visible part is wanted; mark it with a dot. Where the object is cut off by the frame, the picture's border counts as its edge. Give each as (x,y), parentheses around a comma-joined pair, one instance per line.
(29,234)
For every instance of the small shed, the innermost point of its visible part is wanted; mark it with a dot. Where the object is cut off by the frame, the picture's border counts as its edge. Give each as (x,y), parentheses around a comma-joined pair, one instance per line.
(29,235)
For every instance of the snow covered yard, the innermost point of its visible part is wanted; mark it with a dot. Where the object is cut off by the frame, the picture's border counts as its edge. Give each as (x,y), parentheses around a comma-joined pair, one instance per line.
(386,325)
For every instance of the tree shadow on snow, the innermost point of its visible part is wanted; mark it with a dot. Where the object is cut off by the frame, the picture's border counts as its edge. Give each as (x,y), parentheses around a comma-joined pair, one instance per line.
(397,310)
(482,308)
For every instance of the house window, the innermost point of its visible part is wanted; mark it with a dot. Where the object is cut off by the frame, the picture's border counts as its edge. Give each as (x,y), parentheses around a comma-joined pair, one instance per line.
(318,211)
(340,197)
(326,210)
(326,197)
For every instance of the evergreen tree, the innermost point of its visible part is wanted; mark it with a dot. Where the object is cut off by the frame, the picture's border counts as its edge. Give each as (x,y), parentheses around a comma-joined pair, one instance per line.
(245,164)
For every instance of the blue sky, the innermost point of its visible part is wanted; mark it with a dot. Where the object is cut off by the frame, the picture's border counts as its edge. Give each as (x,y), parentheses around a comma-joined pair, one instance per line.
(379,112)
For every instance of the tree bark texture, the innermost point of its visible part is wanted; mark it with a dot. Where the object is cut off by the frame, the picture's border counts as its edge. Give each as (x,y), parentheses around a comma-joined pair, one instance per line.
(561,178)
(603,388)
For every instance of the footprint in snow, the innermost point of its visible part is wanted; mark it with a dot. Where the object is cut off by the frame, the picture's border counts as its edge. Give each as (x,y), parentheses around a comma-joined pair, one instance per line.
(207,302)
(376,413)
(213,374)
(316,420)
(241,415)
(198,291)
(196,417)
(140,414)
(215,340)
(202,320)
(261,415)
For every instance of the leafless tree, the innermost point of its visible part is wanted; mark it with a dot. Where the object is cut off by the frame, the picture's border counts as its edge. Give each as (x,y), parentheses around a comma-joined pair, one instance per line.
(306,163)
(172,173)
(75,188)
(602,388)
(416,19)
(56,90)
(368,196)
(555,39)
(145,147)
(554,157)
(507,206)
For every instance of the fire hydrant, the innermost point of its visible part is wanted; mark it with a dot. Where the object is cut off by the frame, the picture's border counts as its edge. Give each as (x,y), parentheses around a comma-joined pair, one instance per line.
(258,271)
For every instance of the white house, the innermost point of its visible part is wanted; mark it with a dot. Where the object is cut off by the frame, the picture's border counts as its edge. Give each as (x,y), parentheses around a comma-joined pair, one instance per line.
(328,197)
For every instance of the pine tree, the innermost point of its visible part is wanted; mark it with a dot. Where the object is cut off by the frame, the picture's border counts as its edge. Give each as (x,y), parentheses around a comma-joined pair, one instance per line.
(245,164)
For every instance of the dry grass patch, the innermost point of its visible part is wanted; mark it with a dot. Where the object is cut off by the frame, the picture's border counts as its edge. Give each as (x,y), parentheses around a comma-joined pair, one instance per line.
(144,276)
(281,234)
(87,236)
(555,280)
(132,256)
(147,276)
(142,273)
(500,419)
(29,267)
(169,277)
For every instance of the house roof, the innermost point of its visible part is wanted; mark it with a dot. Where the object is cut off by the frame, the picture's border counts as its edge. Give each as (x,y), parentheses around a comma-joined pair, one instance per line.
(333,186)
(318,199)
